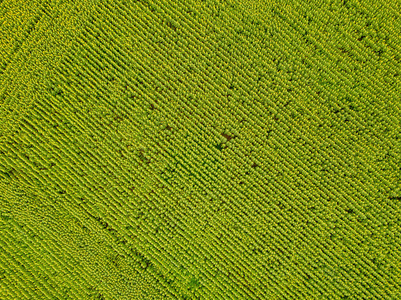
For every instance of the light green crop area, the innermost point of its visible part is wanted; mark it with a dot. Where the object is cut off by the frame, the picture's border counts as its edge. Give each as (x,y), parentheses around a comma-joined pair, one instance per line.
(200,149)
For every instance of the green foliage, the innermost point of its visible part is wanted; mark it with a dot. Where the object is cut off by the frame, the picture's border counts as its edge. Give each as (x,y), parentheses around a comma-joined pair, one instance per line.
(200,150)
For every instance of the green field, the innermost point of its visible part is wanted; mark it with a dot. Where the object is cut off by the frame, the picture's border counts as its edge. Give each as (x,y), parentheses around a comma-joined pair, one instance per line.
(200,149)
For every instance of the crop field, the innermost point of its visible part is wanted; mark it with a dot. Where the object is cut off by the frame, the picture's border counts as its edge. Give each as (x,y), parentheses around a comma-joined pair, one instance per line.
(200,149)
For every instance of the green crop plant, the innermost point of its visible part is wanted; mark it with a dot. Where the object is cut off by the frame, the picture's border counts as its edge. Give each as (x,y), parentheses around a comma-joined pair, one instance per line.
(200,149)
